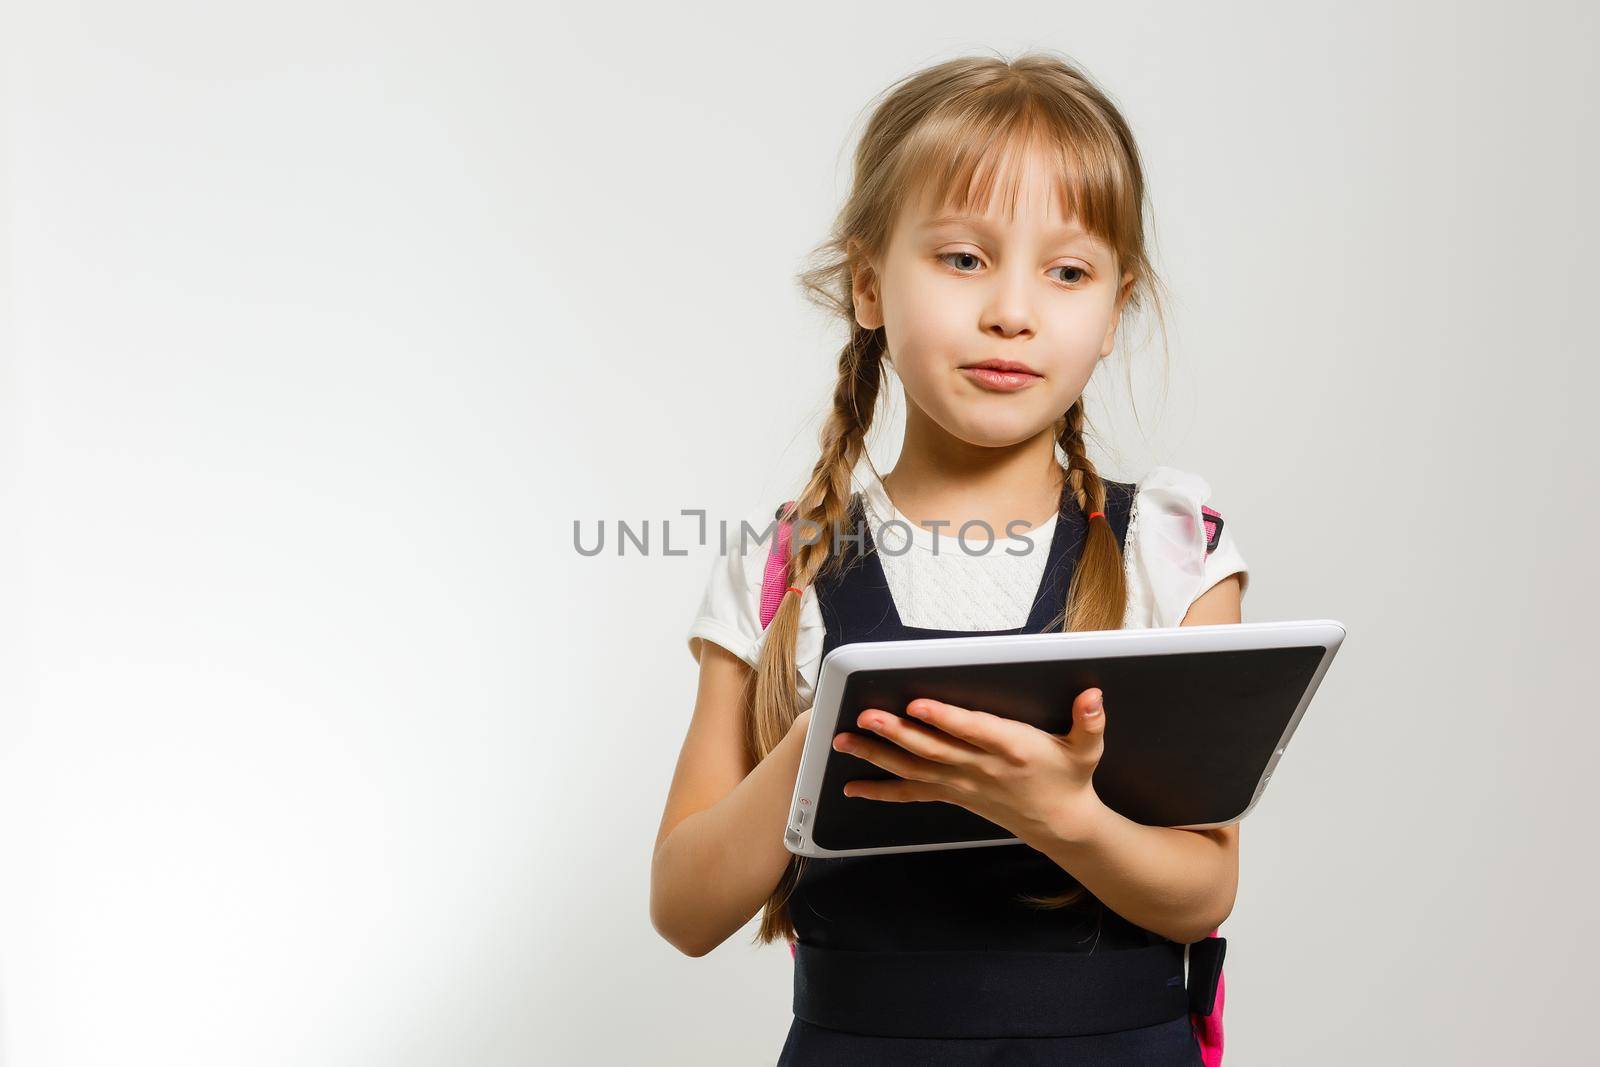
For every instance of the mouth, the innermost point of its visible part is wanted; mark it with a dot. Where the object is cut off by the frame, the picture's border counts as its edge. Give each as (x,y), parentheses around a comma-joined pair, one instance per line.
(1001,375)
(1009,365)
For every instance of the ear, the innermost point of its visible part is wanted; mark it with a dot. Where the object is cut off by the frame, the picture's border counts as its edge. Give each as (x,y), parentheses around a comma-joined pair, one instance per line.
(1124,287)
(864,288)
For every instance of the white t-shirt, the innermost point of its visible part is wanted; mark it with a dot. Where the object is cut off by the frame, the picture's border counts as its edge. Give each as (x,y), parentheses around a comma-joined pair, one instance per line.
(983,588)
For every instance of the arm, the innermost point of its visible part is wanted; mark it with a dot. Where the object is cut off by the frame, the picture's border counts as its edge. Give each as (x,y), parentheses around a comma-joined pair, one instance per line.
(719,853)
(1178,883)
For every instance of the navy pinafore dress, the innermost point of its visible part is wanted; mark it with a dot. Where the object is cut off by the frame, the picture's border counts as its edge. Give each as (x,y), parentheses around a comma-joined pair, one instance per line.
(929,958)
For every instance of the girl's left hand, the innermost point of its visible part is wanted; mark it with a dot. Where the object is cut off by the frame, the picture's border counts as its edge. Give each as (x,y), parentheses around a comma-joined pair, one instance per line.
(1032,783)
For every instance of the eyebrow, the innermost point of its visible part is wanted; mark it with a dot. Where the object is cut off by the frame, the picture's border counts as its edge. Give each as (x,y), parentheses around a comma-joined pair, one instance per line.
(1071,229)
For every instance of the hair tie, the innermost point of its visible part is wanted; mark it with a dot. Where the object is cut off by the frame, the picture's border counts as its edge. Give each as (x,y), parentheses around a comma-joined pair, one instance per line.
(796,589)
(1092,514)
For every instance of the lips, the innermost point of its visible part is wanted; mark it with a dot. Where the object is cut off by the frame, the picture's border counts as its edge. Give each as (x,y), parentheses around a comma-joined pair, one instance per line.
(1004,365)
(1001,375)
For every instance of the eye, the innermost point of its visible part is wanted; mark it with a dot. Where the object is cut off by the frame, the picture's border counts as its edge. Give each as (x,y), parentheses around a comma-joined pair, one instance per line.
(963,255)
(1082,274)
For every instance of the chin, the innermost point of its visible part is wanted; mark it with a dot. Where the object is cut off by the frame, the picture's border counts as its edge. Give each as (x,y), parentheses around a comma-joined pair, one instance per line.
(992,430)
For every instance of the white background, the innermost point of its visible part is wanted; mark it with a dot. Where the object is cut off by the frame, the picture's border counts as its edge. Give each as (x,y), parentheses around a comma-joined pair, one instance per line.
(320,744)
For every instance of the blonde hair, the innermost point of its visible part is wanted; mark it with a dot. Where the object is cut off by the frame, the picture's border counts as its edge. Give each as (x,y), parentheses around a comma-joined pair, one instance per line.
(950,127)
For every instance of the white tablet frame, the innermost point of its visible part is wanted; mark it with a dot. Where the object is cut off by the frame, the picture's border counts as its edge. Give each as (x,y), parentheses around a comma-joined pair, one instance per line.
(1029,648)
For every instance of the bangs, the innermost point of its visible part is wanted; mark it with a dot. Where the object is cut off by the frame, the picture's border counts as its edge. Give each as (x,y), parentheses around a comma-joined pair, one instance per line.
(964,161)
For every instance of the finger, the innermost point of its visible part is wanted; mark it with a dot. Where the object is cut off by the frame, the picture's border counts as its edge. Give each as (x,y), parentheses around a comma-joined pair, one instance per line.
(991,733)
(897,791)
(925,741)
(1086,739)
(891,758)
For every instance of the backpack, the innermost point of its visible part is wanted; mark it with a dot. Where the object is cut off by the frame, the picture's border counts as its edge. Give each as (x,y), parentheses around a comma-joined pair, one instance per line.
(1203,958)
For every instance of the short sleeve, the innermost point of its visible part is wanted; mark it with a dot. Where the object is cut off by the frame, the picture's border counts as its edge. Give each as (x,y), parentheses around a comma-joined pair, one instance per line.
(730,608)
(1168,567)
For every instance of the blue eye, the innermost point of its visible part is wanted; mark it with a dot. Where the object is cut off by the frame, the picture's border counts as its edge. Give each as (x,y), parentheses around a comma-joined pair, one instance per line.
(1082,274)
(950,255)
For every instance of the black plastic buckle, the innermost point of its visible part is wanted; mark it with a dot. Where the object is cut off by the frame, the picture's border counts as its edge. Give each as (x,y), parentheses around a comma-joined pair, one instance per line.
(1215,522)
(1205,971)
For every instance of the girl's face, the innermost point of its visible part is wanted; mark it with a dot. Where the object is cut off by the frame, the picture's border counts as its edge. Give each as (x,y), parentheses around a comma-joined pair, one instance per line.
(953,293)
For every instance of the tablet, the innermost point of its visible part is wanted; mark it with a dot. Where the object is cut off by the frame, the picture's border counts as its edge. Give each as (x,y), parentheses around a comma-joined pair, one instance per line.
(1197,718)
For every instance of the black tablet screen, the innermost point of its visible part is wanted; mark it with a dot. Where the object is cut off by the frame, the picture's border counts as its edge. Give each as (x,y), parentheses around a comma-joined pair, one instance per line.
(1188,735)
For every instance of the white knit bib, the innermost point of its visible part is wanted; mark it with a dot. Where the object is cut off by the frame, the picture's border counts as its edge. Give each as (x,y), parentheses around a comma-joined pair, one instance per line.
(936,584)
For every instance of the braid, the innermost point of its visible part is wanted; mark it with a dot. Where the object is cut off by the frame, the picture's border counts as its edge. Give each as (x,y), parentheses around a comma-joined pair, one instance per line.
(1087,488)
(843,440)
(776,699)
(844,435)
(1097,597)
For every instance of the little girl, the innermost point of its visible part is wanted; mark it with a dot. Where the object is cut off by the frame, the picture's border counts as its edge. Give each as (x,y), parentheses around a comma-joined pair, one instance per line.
(991,241)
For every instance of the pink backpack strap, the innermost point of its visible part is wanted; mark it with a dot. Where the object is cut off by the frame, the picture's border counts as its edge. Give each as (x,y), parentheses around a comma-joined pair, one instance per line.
(775,581)
(1205,957)
(1213,521)
(1205,1014)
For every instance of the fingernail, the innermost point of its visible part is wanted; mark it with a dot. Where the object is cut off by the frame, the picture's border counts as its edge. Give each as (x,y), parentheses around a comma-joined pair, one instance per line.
(1097,704)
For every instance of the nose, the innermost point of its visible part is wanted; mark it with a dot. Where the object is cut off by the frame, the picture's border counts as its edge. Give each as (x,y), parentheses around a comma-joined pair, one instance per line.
(1009,308)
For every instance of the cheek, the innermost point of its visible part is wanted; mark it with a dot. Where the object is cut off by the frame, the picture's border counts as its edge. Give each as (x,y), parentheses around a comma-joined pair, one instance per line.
(928,323)
(1079,327)
(1080,321)
(1081,337)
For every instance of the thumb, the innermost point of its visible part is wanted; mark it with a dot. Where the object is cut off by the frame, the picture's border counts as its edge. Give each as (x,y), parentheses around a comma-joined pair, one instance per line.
(1087,736)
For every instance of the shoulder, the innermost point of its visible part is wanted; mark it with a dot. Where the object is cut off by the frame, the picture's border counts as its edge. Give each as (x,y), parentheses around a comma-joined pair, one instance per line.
(1180,543)
(1171,491)
(729,612)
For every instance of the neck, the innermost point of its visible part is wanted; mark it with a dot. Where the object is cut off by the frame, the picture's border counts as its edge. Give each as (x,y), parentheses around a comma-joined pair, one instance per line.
(941,477)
